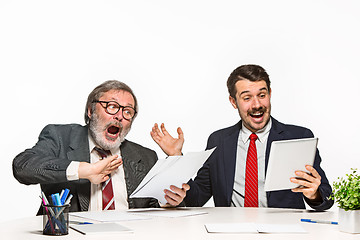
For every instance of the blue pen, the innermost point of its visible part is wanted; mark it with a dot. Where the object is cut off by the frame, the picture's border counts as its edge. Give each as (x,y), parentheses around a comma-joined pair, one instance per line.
(80,223)
(53,199)
(318,221)
(57,199)
(64,195)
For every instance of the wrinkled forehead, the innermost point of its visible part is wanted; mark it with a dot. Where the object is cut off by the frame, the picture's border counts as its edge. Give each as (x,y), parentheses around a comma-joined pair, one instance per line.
(247,86)
(123,97)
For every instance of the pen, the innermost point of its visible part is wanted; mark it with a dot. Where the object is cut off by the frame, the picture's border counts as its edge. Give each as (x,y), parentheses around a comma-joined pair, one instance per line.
(318,221)
(64,195)
(49,217)
(62,209)
(80,223)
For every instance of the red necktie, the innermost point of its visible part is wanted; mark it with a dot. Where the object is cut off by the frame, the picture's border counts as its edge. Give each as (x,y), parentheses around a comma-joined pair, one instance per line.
(107,188)
(251,175)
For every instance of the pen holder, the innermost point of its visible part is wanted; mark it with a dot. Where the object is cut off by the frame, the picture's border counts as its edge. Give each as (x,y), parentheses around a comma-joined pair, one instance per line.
(55,219)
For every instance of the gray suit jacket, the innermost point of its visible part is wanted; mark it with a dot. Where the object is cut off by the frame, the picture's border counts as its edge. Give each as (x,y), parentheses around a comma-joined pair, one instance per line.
(58,145)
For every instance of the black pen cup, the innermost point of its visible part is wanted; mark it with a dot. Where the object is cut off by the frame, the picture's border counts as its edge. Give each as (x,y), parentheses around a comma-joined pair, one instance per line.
(55,219)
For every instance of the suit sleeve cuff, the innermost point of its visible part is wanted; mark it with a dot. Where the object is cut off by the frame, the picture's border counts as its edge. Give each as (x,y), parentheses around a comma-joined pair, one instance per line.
(72,171)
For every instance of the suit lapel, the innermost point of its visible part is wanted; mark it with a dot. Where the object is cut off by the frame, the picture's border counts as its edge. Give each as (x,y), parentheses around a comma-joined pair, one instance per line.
(134,168)
(79,145)
(230,152)
(79,151)
(274,135)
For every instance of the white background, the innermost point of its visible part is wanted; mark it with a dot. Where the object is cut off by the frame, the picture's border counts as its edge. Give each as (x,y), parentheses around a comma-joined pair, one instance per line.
(176,55)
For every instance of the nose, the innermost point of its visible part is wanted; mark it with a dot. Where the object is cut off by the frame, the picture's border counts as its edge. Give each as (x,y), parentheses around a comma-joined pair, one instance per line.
(118,116)
(256,103)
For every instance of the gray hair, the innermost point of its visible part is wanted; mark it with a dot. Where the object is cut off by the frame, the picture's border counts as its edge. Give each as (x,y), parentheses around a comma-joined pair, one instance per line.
(98,92)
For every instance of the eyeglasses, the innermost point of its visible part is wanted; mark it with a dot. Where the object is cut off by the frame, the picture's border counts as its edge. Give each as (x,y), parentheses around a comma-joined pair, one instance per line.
(112,108)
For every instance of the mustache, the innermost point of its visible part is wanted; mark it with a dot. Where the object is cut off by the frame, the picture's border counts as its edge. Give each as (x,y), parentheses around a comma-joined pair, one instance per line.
(257,110)
(114,123)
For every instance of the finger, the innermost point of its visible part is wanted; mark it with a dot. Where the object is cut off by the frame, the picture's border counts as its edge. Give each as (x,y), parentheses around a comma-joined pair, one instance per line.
(305,175)
(175,193)
(302,190)
(186,186)
(105,178)
(154,137)
(110,158)
(178,191)
(171,201)
(163,129)
(313,171)
(303,183)
(153,130)
(180,133)
(172,198)
(157,131)
(115,165)
(117,161)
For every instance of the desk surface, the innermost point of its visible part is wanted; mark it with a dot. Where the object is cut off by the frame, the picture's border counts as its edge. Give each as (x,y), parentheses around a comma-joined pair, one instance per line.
(192,227)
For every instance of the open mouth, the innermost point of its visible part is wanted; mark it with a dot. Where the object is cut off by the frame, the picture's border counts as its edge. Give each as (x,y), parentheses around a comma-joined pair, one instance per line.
(113,130)
(257,114)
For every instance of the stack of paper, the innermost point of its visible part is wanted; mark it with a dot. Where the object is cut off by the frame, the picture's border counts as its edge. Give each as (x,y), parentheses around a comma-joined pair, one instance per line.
(108,216)
(175,170)
(254,228)
(100,228)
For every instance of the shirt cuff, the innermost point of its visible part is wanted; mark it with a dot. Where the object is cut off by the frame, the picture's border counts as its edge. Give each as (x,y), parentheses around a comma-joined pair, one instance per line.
(72,171)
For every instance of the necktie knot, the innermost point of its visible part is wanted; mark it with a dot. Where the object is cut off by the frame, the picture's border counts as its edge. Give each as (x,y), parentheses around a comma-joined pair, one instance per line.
(253,137)
(102,153)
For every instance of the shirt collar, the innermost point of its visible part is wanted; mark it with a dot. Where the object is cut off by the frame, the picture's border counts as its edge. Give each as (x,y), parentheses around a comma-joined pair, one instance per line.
(262,133)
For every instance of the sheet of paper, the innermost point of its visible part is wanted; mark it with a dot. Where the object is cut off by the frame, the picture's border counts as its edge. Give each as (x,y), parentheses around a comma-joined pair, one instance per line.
(280,228)
(174,170)
(171,212)
(254,228)
(108,216)
(231,228)
(100,228)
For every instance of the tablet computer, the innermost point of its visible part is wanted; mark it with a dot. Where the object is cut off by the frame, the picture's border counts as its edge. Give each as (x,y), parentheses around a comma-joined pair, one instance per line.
(287,156)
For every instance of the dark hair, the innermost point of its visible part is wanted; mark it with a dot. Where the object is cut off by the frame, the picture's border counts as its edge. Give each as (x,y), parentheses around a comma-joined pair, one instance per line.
(103,88)
(249,72)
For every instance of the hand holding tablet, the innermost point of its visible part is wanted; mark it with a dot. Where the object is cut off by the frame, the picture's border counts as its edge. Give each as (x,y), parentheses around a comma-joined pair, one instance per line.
(286,157)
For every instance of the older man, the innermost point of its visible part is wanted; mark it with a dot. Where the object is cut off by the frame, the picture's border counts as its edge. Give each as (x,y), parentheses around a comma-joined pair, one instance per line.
(95,162)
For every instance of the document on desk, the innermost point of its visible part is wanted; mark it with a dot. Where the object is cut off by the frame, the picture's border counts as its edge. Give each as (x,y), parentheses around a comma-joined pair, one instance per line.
(167,212)
(174,170)
(108,216)
(100,228)
(254,228)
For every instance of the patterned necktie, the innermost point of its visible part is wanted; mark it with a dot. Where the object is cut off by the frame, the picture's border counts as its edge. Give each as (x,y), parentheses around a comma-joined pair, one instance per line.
(107,188)
(251,175)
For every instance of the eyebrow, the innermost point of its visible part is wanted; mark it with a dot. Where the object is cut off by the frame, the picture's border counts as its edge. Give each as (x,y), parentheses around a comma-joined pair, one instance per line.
(261,89)
(114,100)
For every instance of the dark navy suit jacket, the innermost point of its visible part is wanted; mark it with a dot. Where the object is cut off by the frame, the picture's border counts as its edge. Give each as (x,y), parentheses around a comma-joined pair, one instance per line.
(216,177)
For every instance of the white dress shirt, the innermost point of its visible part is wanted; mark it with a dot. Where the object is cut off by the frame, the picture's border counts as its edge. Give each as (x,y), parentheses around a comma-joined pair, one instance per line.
(117,176)
(237,199)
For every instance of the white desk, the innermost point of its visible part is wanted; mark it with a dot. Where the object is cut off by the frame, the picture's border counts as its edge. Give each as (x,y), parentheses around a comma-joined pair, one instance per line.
(192,227)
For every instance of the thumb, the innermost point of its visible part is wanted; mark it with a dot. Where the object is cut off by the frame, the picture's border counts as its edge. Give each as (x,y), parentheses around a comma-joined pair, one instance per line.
(180,132)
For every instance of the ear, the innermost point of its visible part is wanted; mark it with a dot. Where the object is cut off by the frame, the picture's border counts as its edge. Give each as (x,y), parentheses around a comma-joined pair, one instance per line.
(89,112)
(233,102)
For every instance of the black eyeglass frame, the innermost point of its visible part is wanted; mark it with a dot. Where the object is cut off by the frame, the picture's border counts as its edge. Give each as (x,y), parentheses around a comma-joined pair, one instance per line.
(120,107)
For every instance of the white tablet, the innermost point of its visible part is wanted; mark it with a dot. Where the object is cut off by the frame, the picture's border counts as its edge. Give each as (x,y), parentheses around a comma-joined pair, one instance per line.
(285,158)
